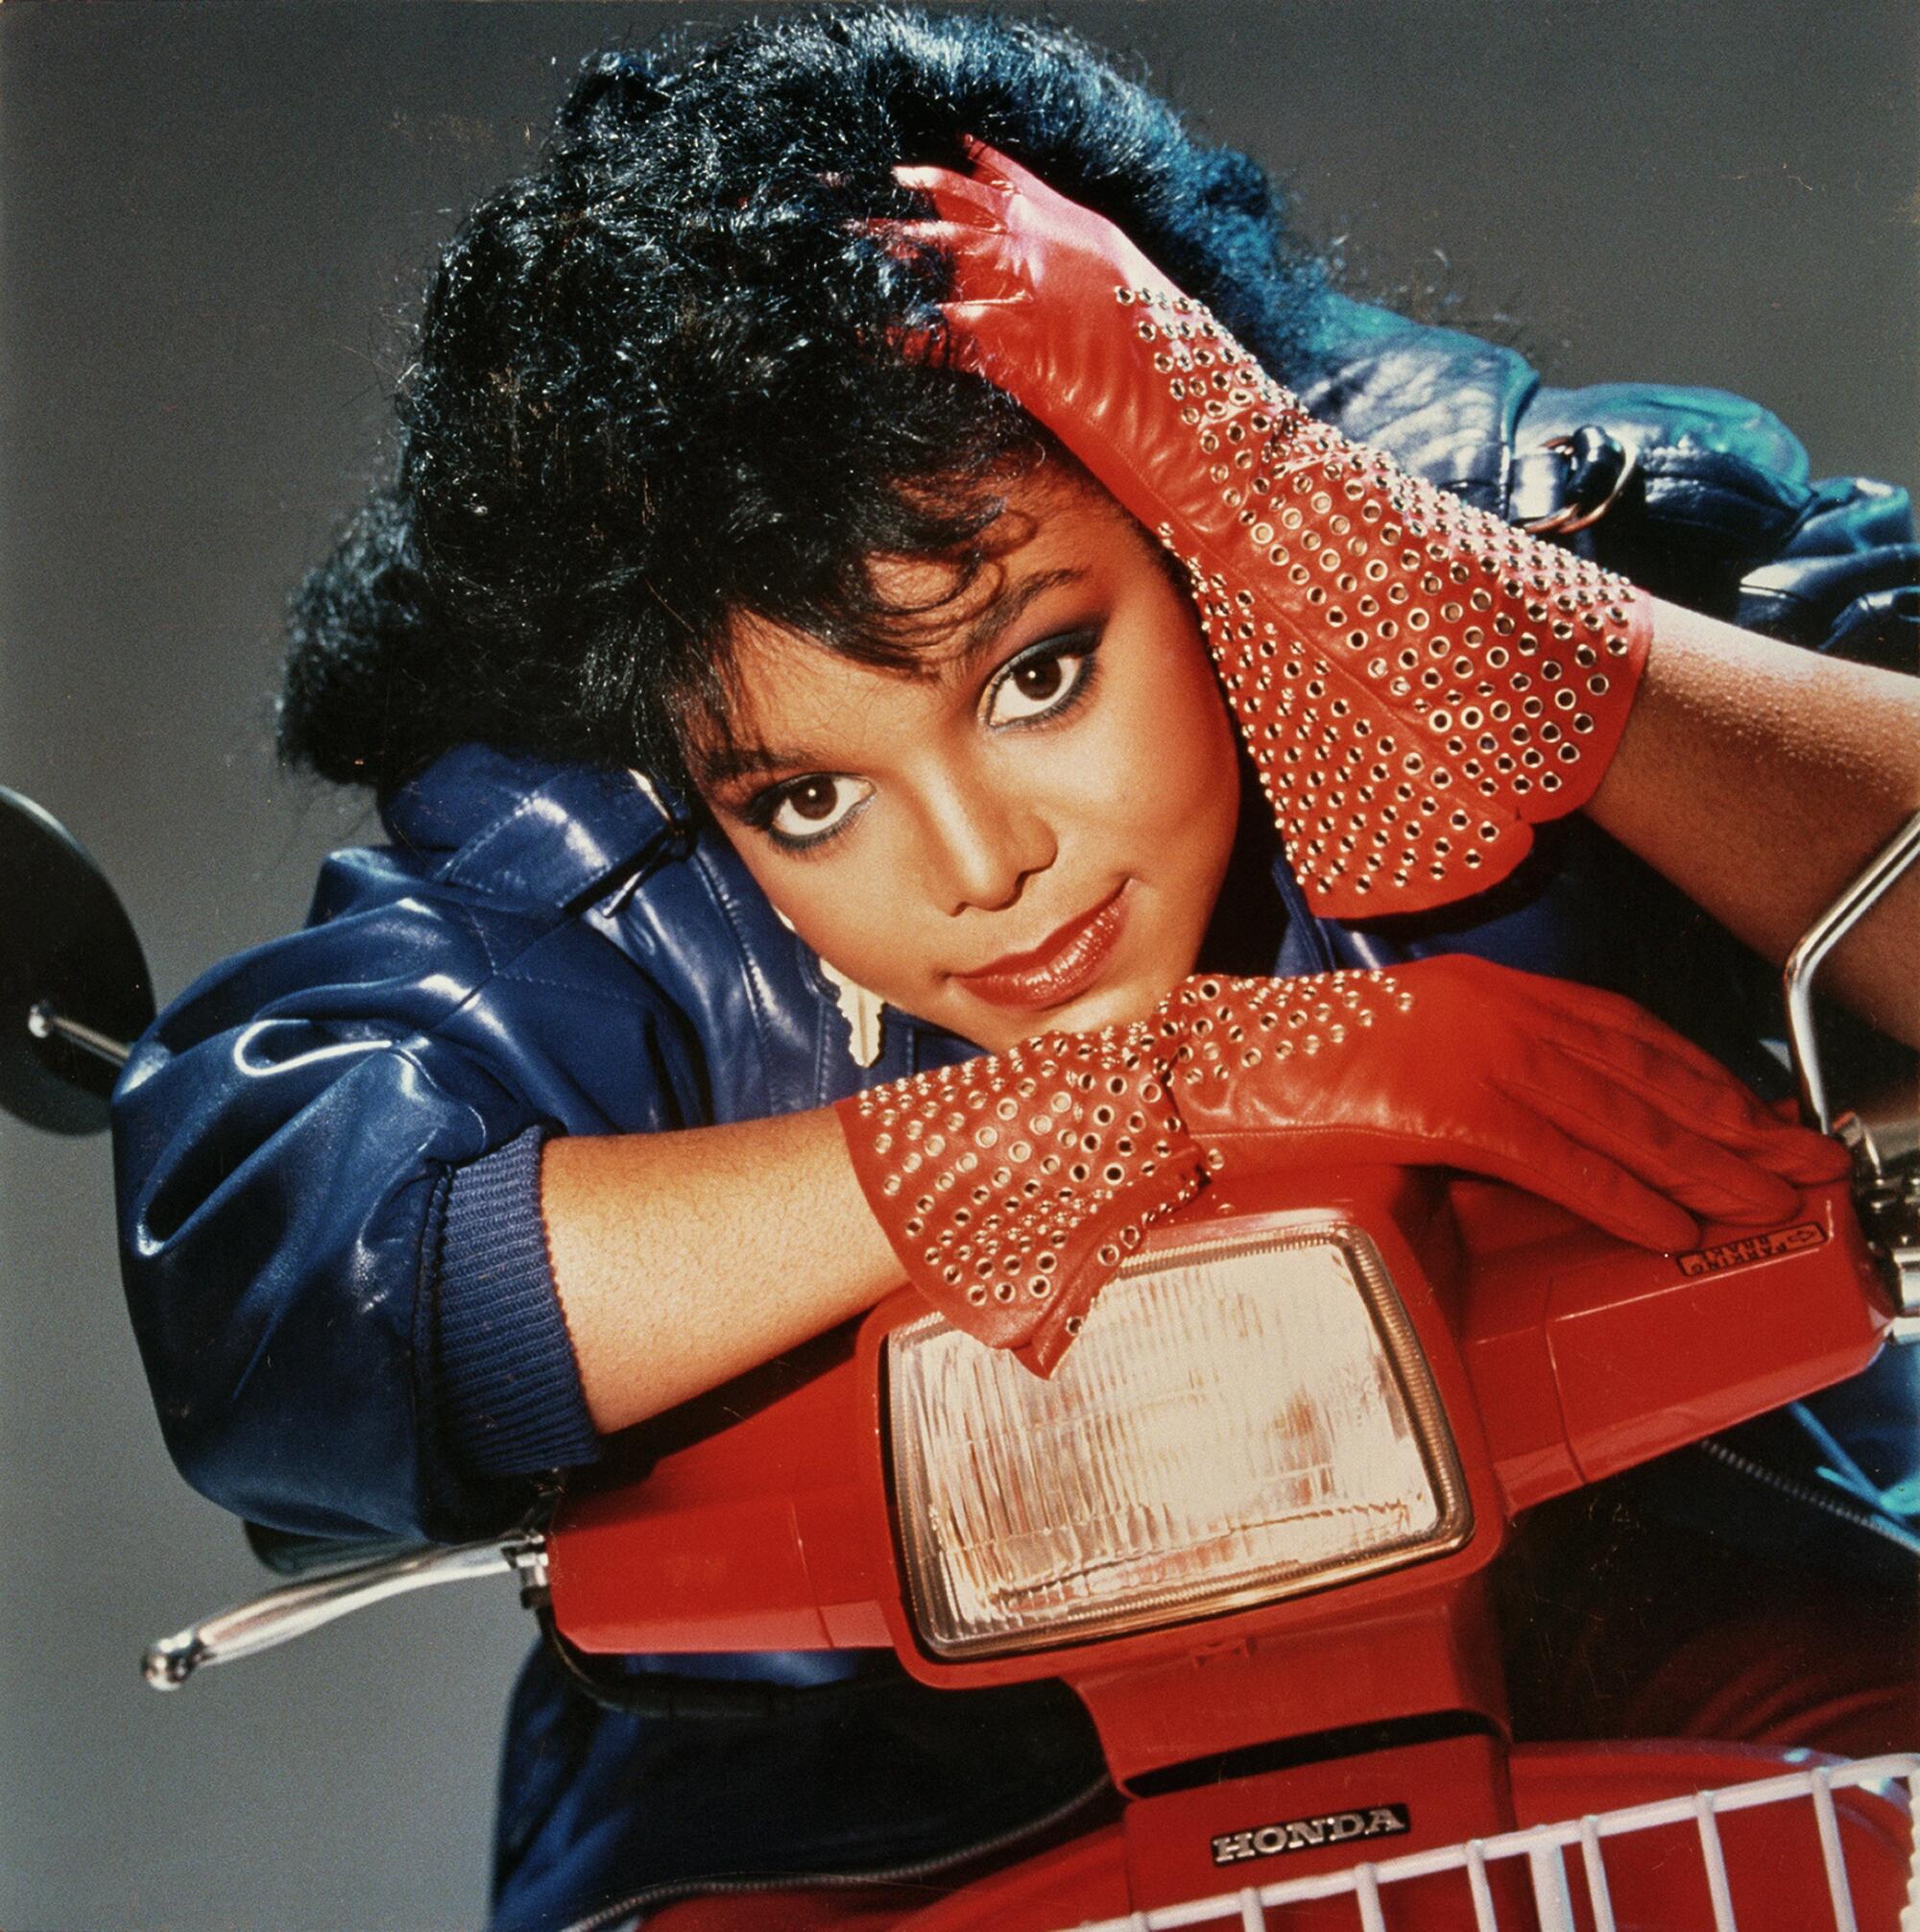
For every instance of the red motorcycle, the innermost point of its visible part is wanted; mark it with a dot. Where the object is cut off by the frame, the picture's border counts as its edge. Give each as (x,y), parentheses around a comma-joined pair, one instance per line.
(1251,1521)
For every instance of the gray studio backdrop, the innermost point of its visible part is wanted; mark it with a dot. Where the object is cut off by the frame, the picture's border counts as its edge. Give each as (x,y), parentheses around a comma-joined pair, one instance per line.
(213,219)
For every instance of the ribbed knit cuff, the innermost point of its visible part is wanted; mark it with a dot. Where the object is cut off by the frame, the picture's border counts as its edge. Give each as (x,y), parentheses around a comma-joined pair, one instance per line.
(508,1390)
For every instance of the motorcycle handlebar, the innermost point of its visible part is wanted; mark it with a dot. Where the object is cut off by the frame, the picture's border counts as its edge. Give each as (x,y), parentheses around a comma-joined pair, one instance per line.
(295,1609)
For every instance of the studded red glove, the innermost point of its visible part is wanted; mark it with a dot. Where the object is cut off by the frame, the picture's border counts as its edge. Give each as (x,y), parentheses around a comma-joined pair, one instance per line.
(1013,1187)
(1417,682)
(1568,1092)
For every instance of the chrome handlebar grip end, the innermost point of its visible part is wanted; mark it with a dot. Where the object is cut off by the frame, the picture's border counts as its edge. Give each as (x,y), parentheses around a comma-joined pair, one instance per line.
(166,1665)
(46,1022)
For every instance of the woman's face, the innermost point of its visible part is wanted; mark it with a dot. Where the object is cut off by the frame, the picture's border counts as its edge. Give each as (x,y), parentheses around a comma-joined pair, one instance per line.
(1031,832)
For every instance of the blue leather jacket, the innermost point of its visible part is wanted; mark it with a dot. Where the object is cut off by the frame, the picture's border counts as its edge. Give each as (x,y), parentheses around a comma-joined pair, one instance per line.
(326,1149)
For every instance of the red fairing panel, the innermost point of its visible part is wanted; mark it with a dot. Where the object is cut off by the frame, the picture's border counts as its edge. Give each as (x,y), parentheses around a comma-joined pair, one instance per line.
(1588,1357)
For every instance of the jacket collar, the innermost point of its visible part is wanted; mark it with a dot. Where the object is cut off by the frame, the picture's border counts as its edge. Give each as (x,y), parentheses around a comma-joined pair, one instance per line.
(530,828)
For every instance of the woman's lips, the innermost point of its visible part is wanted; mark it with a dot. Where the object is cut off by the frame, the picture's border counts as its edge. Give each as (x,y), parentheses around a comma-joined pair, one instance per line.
(1064,964)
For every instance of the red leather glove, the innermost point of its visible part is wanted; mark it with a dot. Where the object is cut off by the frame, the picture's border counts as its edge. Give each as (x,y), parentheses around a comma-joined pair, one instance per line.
(1012,1187)
(1417,682)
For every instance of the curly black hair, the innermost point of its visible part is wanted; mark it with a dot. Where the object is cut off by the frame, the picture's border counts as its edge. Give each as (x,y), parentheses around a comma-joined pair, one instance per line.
(656,388)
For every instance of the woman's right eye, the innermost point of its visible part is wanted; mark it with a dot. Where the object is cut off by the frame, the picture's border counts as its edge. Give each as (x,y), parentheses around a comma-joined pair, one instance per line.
(813,809)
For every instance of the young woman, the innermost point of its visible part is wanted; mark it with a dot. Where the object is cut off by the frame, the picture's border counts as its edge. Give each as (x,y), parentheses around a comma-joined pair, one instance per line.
(815,682)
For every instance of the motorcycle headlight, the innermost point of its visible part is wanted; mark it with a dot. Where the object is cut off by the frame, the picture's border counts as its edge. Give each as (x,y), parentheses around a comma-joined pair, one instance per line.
(1239,1420)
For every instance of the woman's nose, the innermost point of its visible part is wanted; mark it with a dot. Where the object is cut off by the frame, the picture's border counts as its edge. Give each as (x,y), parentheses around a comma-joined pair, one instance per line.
(984,848)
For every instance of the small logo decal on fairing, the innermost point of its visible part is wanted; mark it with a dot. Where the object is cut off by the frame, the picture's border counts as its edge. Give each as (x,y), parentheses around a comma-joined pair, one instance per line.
(1309,1834)
(1752,1247)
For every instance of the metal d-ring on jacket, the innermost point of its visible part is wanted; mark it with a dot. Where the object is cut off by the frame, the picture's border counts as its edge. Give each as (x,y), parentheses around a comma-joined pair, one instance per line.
(326,1149)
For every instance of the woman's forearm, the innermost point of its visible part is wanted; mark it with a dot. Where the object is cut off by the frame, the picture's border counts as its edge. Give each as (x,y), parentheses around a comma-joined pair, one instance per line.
(1759,778)
(682,1259)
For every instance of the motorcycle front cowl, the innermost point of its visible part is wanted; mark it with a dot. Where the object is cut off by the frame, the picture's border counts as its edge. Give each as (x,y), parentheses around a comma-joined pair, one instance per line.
(1299,1422)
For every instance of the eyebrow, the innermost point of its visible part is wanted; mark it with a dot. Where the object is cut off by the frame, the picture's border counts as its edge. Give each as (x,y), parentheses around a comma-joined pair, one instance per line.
(1005,609)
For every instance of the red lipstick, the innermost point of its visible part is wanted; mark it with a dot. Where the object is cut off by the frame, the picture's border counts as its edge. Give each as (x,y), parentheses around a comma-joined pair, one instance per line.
(1064,964)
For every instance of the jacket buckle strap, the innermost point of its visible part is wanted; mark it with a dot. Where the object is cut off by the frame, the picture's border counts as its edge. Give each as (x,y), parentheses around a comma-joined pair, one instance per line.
(1571,481)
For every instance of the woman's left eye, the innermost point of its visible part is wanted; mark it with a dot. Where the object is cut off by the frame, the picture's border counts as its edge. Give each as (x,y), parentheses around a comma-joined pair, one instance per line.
(1045,680)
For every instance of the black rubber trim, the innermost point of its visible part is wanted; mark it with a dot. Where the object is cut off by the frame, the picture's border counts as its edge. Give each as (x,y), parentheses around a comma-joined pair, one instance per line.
(1355,1739)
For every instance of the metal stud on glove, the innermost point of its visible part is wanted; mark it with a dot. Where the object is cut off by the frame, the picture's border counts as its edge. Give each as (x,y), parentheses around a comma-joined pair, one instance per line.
(1417,682)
